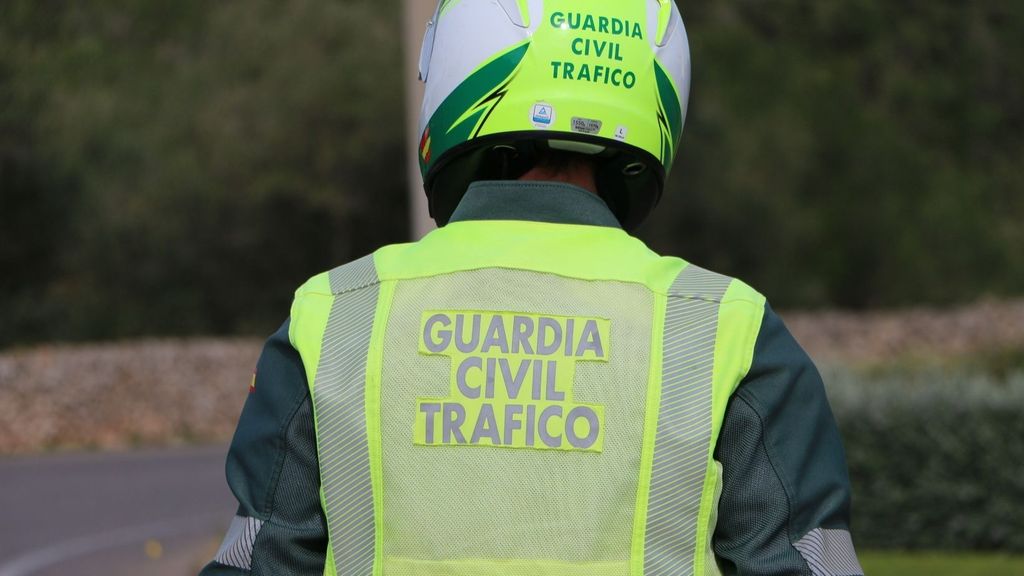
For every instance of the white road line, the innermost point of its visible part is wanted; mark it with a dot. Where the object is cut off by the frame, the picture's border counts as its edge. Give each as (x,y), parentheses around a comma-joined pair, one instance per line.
(36,560)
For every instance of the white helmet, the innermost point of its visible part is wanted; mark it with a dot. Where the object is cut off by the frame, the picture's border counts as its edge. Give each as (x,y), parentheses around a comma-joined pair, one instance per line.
(506,79)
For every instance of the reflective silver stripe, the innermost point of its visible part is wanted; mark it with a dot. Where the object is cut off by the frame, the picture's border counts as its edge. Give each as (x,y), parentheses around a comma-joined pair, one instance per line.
(341,435)
(683,435)
(236,550)
(829,552)
(353,276)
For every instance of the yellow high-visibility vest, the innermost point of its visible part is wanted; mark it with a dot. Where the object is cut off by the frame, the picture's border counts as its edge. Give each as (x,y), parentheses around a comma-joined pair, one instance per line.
(519,398)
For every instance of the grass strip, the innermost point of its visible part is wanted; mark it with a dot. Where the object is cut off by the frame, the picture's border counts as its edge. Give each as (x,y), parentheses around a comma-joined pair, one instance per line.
(940,564)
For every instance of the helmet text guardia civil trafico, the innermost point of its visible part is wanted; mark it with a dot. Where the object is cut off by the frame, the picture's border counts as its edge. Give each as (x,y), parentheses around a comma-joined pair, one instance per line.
(508,79)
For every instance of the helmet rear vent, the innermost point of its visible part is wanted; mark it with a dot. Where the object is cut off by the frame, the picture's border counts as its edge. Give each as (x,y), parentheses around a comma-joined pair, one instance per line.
(634,169)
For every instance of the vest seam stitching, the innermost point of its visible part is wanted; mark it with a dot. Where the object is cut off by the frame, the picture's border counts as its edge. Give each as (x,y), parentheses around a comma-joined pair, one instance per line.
(339,293)
(666,293)
(355,288)
(406,278)
(695,298)
(722,301)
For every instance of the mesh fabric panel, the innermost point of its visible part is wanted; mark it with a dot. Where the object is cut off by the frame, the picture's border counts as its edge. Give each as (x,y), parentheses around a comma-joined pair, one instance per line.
(294,539)
(753,515)
(467,503)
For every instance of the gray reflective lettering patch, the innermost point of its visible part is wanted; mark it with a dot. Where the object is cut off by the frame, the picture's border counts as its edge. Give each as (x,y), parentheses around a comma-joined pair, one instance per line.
(462,377)
(513,382)
(513,421)
(512,378)
(550,440)
(590,341)
(495,336)
(593,427)
(455,415)
(461,342)
(430,410)
(549,337)
(522,329)
(438,341)
(486,426)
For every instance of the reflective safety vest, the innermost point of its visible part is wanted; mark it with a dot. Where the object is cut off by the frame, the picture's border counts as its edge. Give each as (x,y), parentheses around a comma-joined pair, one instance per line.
(522,399)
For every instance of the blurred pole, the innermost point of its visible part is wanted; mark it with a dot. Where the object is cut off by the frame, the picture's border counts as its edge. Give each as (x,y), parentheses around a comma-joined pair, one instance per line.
(416,15)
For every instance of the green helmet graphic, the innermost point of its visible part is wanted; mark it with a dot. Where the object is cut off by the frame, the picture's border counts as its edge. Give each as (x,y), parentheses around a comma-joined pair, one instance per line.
(508,79)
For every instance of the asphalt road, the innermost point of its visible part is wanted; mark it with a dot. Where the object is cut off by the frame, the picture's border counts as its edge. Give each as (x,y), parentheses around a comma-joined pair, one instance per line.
(154,513)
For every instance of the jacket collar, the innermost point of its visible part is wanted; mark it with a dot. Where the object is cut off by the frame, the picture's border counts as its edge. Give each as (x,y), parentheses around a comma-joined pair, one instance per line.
(552,202)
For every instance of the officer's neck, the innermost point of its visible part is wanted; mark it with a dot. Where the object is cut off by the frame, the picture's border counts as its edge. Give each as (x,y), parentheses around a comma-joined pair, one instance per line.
(576,173)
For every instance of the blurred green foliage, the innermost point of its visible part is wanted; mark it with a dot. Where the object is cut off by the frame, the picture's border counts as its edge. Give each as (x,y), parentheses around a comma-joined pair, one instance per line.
(178,167)
(854,153)
(935,458)
(935,564)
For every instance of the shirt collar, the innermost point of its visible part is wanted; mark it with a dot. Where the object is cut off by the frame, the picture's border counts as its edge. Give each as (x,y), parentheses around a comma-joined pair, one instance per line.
(552,202)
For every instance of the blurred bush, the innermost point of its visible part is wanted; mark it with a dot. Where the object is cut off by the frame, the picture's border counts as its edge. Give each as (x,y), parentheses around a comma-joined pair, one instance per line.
(935,458)
(178,166)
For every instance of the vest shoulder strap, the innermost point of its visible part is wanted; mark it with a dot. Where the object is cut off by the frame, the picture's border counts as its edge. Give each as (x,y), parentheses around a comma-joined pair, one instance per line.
(709,320)
(696,283)
(353,276)
(340,351)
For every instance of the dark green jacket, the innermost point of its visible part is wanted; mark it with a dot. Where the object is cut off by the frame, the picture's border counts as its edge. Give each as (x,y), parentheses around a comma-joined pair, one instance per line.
(785,503)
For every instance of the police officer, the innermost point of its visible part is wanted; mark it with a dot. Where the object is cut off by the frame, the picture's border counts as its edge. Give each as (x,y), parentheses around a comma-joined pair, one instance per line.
(529,390)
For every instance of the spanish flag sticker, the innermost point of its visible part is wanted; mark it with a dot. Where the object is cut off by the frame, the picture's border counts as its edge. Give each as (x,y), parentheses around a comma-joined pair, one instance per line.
(425,145)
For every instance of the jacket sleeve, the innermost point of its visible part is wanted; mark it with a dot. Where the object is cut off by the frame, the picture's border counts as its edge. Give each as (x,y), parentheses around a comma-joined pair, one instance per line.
(273,471)
(785,502)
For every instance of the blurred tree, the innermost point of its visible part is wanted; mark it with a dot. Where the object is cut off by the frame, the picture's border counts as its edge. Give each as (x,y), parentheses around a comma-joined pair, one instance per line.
(854,153)
(179,167)
(37,203)
(226,152)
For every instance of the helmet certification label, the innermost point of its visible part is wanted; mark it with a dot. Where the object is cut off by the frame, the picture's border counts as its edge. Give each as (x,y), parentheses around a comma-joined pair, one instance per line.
(586,126)
(512,379)
(543,115)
